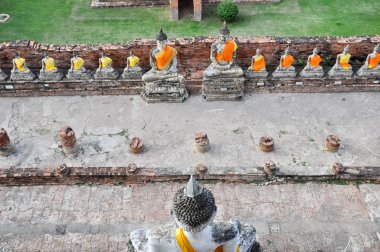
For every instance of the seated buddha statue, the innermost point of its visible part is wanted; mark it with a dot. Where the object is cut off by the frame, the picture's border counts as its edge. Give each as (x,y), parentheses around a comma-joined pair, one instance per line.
(3,76)
(132,70)
(223,55)
(49,70)
(105,70)
(313,68)
(77,70)
(193,210)
(285,69)
(20,71)
(371,66)
(258,67)
(162,82)
(342,67)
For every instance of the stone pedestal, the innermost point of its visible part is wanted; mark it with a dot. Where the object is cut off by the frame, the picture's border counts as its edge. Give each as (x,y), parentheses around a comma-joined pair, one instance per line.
(50,76)
(76,75)
(132,75)
(364,71)
(22,76)
(256,75)
(106,75)
(340,73)
(223,88)
(284,73)
(167,90)
(313,73)
(3,76)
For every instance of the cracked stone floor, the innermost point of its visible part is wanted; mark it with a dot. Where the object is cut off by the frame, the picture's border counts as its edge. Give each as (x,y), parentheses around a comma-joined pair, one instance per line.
(288,217)
(104,125)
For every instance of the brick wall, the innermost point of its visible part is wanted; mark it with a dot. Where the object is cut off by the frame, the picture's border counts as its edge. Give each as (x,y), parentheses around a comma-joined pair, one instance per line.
(193,53)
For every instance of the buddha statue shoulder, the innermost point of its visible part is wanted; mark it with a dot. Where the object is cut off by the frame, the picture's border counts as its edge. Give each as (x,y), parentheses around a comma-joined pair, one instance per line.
(162,59)
(133,69)
(49,70)
(20,71)
(258,66)
(342,67)
(193,210)
(371,66)
(285,68)
(313,68)
(222,56)
(105,70)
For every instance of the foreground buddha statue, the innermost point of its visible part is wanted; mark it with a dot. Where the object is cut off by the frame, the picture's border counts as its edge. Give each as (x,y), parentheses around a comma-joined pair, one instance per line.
(77,70)
(371,66)
(49,70)
(105,70)
(313,68)
(258,67)
(342,67)
(20,72)
(223,78)
(132,70)
(163,83)
(285,69)
(194,210)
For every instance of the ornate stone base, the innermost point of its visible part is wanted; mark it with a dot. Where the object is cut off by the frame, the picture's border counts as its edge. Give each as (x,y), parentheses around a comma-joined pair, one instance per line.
(365,72)
(312,73)
(168,90)
(340,73)
(132,75)
(223,88)
(22,76)
(256,75)
(3,76)
(78,75)
(50,76)
(291,73)
(103,75)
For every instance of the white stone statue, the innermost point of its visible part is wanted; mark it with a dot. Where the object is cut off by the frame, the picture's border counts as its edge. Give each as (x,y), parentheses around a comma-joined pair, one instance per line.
(194,210)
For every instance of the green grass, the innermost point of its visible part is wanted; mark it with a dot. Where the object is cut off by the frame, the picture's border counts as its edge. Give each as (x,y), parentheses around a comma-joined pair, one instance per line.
(73,21)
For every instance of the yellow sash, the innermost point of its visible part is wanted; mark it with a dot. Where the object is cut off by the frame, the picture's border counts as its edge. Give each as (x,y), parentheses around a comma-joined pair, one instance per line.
(374,62)
(164,57)
(133,61)
(228,52)
(20,64)
(185,245)
(105,62)
(78,63)
(344,61)
(50,64)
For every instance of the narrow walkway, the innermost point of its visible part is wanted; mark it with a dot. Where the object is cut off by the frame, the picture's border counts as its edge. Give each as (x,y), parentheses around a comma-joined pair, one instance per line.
(299,124)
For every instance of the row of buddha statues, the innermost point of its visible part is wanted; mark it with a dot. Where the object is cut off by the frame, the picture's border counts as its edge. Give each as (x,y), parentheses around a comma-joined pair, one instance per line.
(222,79)
(77,71)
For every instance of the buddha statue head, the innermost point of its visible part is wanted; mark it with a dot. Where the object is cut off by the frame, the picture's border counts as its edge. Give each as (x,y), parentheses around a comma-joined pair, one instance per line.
(17,54)
(287,50)
(224,33)
(258,51)
(315,51)
(102,54)
(46,54)
(193,207)
(131,53)
(162,40)
(346,50)
(75,54)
